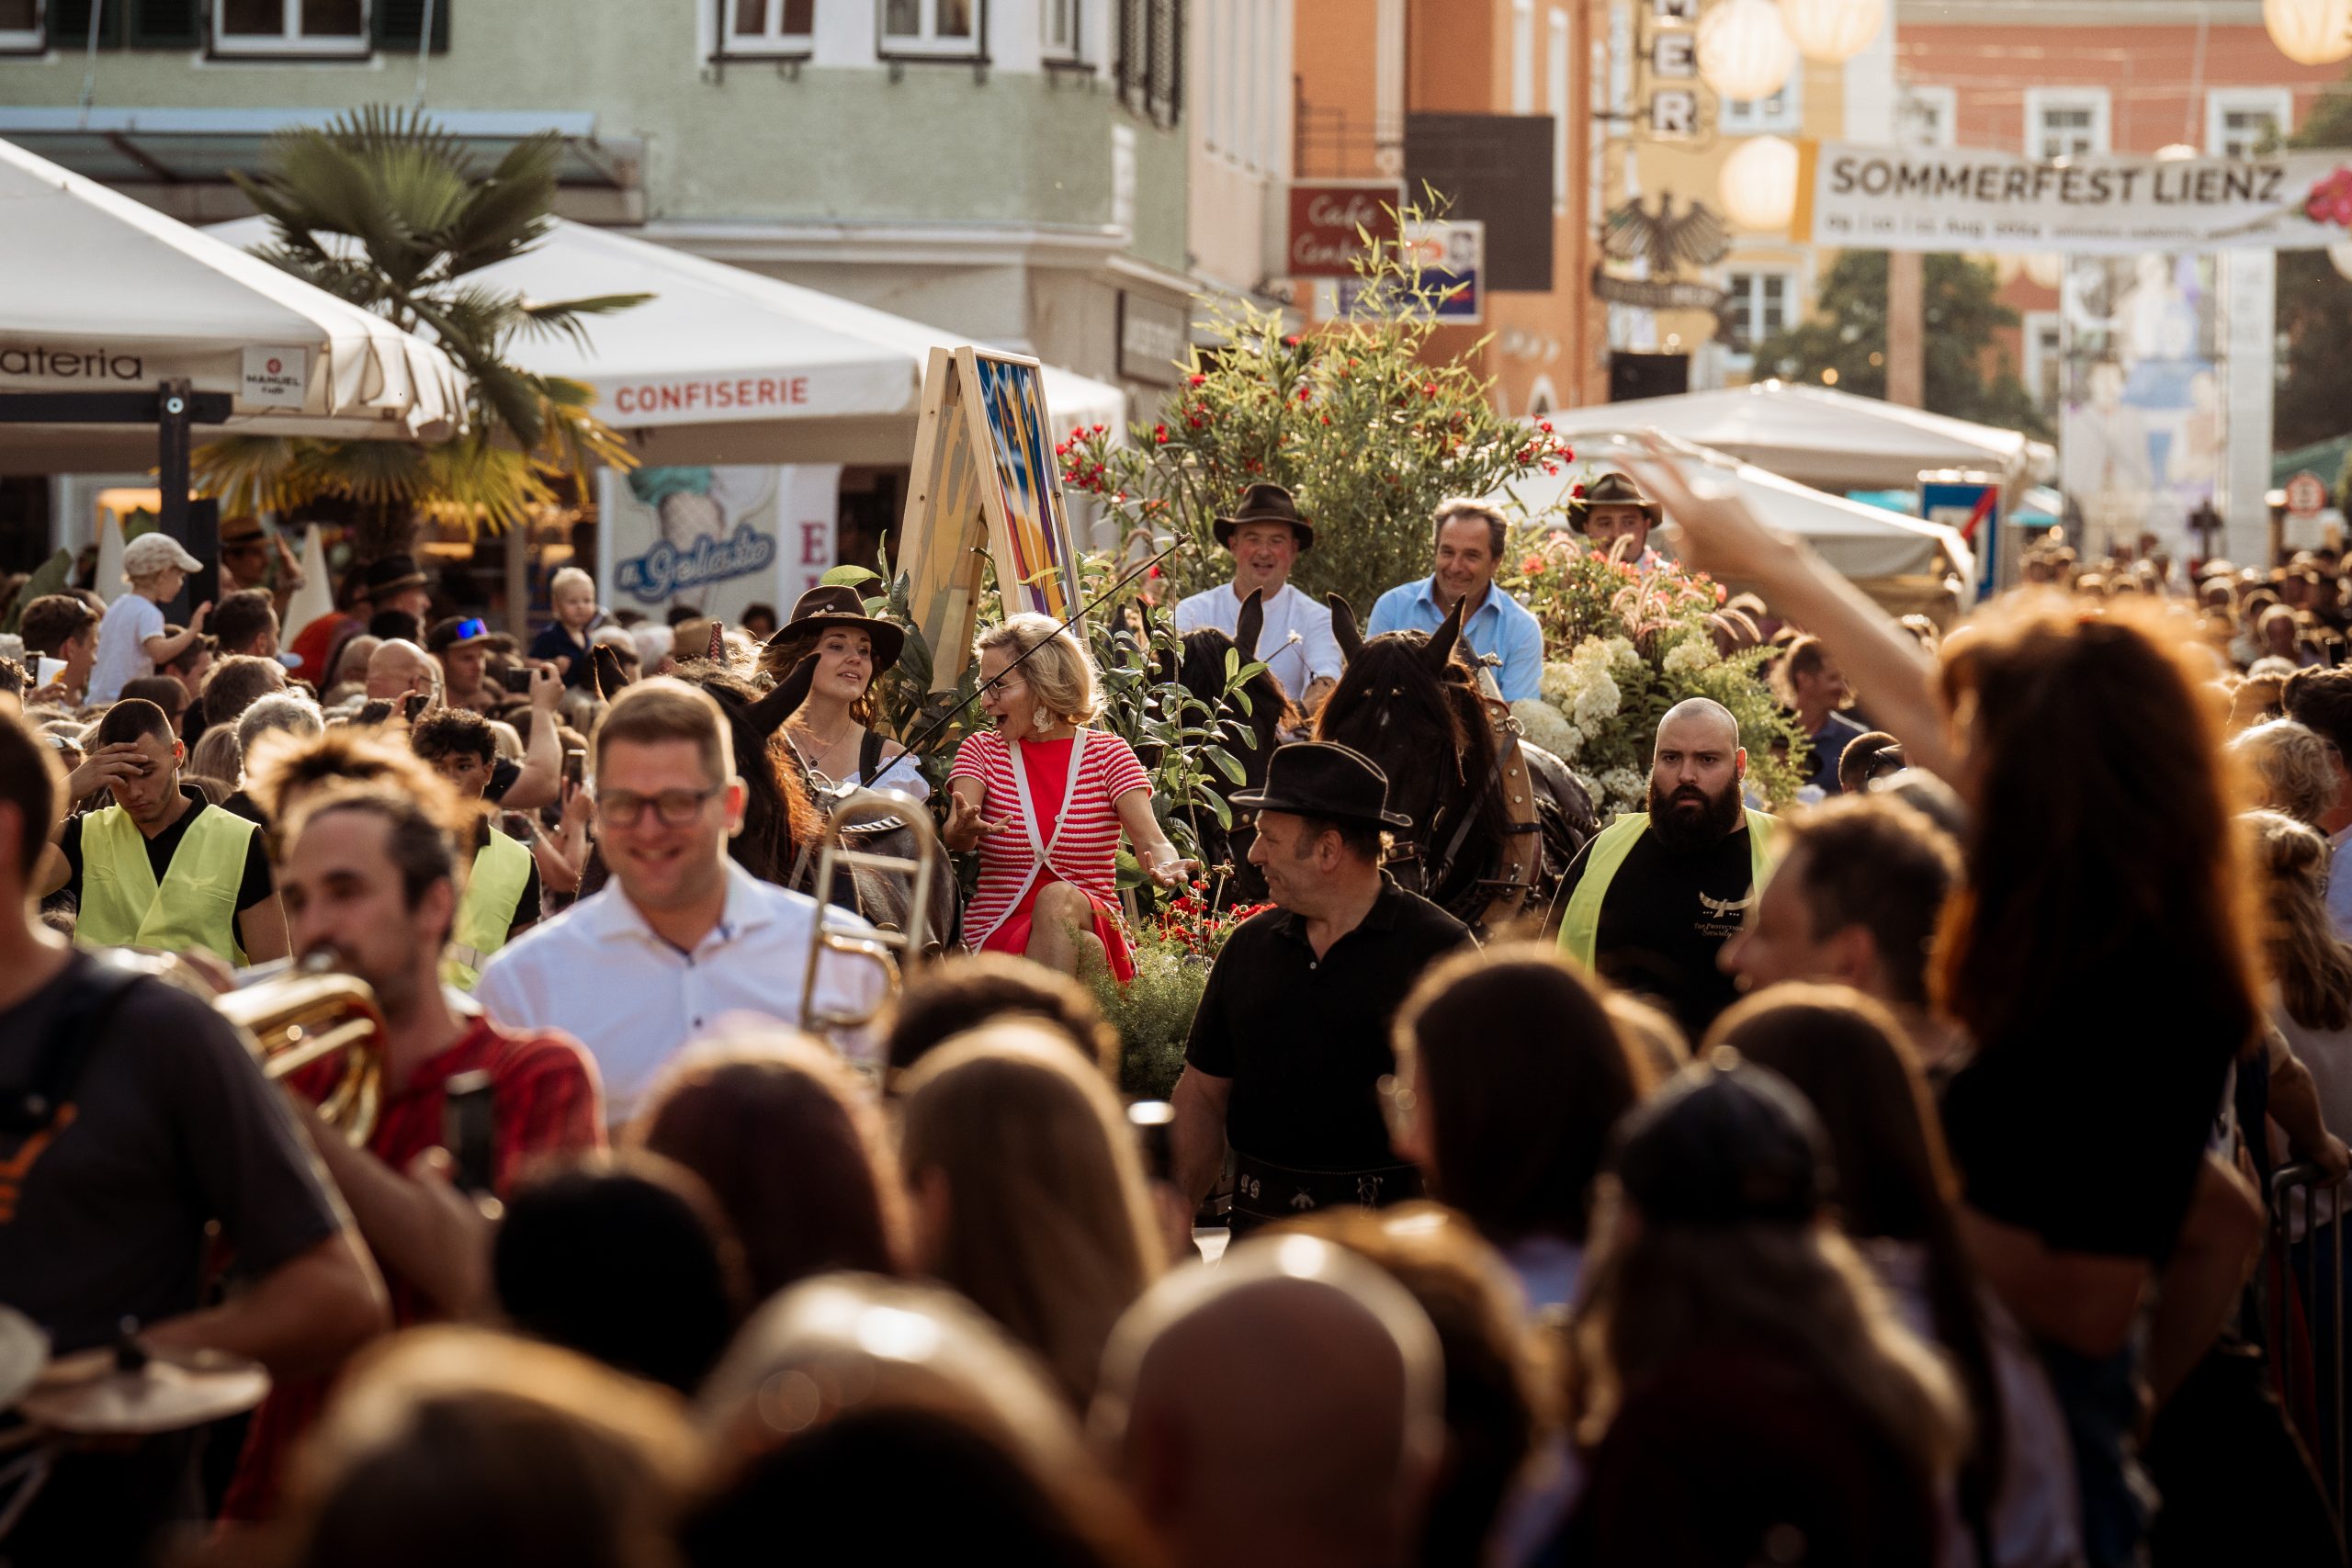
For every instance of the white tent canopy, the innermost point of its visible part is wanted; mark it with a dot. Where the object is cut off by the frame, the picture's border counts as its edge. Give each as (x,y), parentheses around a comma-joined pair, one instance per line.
(727,365)
(1862,542)
(1830,439)
(101,294)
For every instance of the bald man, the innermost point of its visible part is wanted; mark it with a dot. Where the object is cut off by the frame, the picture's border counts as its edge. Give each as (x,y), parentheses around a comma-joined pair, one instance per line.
(1655,896)
(399,667)
(1283,1408)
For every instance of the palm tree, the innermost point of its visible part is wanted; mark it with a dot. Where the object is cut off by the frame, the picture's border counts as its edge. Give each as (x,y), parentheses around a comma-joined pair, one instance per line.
(385,210)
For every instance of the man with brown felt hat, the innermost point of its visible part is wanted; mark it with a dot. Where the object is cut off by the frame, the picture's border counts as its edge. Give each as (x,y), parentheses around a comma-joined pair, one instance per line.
(1266,535)
(1613,508)
(1292,1036)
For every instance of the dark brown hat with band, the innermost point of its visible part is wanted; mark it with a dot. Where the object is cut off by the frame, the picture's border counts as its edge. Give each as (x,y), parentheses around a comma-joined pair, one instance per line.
(1265,503)
(1610,490)
(1320,778)
(837,605)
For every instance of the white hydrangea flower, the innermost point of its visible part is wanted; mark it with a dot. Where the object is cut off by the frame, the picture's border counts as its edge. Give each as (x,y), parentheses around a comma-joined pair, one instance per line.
(1546,727)
(1624,789)
(1689,656)
(1599,700)
(1558,681)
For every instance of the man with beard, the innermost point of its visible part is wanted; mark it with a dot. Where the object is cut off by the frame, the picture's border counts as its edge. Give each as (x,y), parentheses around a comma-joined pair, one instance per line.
(1655,896)
(370,884)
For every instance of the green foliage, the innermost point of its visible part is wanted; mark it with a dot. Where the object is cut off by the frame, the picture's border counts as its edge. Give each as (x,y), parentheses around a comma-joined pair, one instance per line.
(1357,419)
(1627,644)
(1848,335)
(384,208)
(2314,315)
(1153,1015)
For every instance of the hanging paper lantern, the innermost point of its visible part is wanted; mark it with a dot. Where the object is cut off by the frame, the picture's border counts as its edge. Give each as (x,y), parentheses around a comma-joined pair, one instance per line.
(1760,185)
(2310,33)
(1832,30)
(1744,52)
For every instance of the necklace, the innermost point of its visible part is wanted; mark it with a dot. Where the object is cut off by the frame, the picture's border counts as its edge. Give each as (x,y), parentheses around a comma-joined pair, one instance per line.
(820,760)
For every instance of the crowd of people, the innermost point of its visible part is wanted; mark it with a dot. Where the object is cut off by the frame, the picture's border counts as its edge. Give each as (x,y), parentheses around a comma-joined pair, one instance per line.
(1883,1181)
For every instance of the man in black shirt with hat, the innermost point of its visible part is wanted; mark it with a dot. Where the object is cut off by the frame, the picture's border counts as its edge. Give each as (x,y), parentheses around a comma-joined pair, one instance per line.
(1292,1037)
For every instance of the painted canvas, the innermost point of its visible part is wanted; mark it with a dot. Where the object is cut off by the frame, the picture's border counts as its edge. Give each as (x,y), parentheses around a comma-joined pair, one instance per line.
(1036,560)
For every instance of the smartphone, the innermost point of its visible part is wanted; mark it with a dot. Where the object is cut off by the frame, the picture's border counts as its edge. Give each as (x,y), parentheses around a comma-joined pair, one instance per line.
(575,766)
(469,1130)
(415,705)
(516,680)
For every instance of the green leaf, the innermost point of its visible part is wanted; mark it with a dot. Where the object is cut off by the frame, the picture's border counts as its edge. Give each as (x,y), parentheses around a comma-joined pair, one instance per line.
(849,575)
(1226,764)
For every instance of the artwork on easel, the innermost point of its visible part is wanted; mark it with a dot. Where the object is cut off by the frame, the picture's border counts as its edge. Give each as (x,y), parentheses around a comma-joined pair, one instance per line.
(985,484)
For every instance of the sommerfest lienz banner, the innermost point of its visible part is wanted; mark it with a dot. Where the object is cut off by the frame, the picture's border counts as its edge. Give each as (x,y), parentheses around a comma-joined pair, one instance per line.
(1942,199)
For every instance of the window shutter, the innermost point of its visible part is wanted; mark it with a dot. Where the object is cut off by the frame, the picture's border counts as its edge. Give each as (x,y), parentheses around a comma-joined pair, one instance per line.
(163,23)
(69,25)
(396,24)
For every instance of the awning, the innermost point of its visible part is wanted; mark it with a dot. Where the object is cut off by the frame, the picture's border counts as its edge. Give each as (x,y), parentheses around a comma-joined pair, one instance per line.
(1830,439)
(201,146)
(1864,543)
(727,365)
(100,293)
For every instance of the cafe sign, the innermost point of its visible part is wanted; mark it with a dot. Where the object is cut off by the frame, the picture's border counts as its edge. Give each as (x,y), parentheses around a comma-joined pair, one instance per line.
(1328,221)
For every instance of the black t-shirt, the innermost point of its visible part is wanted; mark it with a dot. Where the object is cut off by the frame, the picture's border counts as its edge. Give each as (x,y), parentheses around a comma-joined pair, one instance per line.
(1305,1040)
(502,774)
(1666,917)
(255,885)
(173,1128)
(2089,1135)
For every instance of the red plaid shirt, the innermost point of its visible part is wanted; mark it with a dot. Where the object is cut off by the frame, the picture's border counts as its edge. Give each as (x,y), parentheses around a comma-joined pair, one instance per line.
(546,1102)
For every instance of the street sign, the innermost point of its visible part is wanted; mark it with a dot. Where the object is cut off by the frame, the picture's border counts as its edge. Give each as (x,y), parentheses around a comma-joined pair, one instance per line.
(1325,215)
(1971,503)
(2306,494)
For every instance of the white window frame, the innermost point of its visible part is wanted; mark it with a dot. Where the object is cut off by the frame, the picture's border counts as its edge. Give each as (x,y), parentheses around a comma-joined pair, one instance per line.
(1945,104)
(1789,285)
(2035,323)
(926,41)
(2041,101)
(1068,51)
(772,39)
(1556,88)
(1523,56)
(2221,102)
(22,41)
(289,39)
(1782,113)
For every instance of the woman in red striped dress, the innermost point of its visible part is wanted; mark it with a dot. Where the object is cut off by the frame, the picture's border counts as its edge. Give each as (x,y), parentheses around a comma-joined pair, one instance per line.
(1044,798)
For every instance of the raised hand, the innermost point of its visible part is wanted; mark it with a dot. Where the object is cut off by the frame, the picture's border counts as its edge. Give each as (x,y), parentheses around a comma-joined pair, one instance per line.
(1711,527)
(966,827)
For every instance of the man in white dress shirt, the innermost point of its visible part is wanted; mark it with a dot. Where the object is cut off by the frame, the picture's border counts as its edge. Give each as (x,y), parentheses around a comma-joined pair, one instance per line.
(1267,536)
(683,936)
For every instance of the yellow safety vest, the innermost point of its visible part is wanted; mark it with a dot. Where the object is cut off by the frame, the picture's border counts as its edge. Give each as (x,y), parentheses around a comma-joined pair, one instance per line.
(494,891)
(194,907)
(1580,927)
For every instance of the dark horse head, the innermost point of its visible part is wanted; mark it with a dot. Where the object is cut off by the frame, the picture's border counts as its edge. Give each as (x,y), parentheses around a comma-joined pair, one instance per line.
(1410,702)
(1250,736)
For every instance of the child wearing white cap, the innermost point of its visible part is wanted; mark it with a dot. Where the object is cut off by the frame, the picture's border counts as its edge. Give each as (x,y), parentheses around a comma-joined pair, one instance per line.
(132,640)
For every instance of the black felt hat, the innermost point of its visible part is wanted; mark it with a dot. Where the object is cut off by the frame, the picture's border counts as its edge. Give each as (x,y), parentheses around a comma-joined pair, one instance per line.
(837,605)
(1265,503)
(1317,778)
(1725,1142)
(389,575)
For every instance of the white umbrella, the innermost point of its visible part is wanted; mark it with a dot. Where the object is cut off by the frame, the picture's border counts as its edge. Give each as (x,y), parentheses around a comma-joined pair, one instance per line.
(1862,542)
(726,366)
(1822,437)
(101,294)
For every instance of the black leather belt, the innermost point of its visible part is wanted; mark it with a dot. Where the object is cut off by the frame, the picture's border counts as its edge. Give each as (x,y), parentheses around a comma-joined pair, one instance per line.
(1265,1192)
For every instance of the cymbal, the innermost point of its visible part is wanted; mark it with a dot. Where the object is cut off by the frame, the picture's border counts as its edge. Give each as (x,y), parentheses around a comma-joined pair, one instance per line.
(105,1392)
(24,1351)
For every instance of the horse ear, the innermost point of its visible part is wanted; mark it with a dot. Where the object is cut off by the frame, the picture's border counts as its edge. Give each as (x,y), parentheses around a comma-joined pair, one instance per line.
(767,716)
(1343,625)
(1441,649)
(1253,622)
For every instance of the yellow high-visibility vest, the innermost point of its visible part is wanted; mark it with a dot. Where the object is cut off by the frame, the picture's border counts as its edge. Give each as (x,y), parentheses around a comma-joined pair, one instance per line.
(194,907)
(501,873)
(1580,926)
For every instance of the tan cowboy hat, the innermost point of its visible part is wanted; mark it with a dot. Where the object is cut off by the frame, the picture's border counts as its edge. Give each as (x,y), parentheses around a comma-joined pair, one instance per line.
(837,605)
(1266,503)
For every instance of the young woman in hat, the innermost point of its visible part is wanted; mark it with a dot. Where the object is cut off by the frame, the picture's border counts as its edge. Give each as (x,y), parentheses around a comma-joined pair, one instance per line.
(1045,796)
(831,732)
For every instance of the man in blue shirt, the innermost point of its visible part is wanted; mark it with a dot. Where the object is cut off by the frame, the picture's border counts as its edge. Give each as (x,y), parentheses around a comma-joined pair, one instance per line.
(1470,536)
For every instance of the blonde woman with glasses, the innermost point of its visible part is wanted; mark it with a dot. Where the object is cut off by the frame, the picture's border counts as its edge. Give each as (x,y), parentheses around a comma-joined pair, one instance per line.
(1044,797)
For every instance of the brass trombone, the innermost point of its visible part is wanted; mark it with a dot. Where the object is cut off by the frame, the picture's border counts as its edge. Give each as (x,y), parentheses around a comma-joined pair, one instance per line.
(302,1015)
(869,810)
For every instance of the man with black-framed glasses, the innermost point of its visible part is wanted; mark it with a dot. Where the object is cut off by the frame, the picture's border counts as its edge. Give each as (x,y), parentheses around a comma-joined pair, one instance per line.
(682,936)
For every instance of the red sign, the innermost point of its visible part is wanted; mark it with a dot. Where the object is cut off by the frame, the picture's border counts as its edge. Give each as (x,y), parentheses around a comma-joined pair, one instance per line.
(2306,494)
(1325,216)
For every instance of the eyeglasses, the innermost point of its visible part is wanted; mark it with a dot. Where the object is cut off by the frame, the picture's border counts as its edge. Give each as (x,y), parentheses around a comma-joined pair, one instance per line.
(676,807)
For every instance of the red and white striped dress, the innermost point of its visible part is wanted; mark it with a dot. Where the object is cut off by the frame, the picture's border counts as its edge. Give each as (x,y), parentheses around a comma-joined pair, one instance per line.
(1074,822)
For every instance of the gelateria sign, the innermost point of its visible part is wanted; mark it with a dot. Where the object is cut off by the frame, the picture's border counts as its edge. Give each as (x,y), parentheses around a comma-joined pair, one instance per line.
(1931,198)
